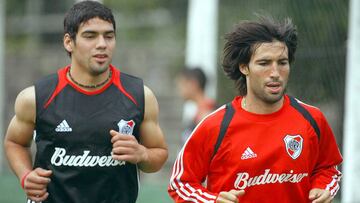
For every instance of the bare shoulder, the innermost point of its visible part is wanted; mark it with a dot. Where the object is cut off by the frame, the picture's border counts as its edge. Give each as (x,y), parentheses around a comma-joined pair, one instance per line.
(148,93)
(151,104)
(25,105)
(22,125)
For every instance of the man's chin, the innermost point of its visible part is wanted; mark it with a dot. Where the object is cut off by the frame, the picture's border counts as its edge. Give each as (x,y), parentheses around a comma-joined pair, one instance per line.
(274,98)
(99,69)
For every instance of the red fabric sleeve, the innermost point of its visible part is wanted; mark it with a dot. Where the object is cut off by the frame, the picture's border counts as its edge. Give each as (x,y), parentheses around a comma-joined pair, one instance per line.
(192,165)
(325,175)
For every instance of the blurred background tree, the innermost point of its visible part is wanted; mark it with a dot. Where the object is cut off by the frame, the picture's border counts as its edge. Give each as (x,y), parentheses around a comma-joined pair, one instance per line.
(151,44)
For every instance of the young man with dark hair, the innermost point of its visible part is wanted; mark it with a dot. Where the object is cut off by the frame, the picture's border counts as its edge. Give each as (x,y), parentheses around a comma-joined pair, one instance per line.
(95,126)
(195,74)
(264,146)
(191,83)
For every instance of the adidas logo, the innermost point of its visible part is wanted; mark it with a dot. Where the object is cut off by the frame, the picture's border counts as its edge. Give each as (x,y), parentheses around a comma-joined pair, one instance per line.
(63,127)
(248,154)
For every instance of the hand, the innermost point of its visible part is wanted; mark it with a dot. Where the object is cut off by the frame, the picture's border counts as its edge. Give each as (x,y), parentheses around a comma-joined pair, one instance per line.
(320,196)
(35,184)
(230,196)
(127,148)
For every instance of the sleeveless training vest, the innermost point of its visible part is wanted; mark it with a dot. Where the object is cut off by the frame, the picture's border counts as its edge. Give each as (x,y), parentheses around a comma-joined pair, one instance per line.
(73,139)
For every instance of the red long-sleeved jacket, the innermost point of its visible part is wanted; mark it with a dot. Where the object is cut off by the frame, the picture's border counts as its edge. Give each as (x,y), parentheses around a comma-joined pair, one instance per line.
(275,157)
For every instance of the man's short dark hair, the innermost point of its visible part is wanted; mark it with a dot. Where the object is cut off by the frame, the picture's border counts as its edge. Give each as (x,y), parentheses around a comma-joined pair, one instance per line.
(247,36)
(196,74)
(84,11)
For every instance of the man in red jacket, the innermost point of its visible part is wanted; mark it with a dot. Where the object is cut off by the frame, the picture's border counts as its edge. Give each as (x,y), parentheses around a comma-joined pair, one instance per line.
(264,146)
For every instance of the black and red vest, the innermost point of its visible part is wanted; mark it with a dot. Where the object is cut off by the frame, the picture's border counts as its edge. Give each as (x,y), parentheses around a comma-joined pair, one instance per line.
(73,140)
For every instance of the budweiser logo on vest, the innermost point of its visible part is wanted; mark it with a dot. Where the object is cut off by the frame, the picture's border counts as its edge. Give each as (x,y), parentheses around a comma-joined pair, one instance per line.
(243,180)
(60,158)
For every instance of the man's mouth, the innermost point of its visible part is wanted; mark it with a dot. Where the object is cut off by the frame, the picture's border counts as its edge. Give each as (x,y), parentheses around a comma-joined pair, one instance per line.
(100,58)
(274,87)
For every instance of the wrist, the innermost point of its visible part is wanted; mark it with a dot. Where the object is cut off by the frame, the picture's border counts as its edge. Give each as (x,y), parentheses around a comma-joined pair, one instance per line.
(145,156)
(22,180)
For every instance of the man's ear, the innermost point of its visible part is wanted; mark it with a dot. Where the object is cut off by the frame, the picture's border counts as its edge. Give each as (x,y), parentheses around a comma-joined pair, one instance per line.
(244,69)
(68,43)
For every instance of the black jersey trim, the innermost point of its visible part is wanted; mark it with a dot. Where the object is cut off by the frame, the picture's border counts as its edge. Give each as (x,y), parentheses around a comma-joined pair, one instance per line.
(305,113)
(229,113)
(61,84)
(118,84)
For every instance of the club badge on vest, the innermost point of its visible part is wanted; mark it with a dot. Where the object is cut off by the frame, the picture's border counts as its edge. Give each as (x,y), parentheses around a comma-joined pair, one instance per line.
(293,144)
(126,127)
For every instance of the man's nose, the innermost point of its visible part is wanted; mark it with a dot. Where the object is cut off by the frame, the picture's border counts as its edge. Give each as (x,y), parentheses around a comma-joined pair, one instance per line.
(101,43)
(274,72)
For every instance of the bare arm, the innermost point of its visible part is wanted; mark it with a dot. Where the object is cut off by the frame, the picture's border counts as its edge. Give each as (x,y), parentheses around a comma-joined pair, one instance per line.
(19,133)
(151,153)
(151,136)
(17,146)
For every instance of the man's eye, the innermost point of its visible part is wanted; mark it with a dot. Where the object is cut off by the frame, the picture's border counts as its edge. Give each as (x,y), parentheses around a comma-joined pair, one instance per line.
(263,64)
(283,62)
(109,36)
(89,36)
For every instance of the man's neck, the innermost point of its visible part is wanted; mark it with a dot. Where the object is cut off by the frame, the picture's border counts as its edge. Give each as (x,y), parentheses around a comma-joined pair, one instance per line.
(258,106)
(87,81)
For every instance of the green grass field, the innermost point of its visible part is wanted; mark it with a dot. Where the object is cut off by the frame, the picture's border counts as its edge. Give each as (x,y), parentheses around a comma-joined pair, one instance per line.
(151,190)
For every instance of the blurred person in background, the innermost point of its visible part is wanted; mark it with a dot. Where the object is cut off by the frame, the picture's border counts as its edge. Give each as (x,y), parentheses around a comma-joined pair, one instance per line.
(264,146)
(191,84)
(95,126)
